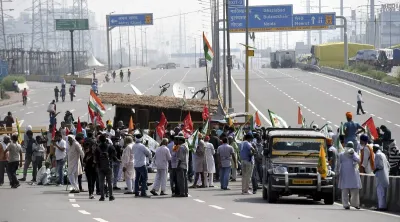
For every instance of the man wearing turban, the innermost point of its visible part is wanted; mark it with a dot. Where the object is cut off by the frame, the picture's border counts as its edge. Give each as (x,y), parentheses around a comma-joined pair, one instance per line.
(351,129)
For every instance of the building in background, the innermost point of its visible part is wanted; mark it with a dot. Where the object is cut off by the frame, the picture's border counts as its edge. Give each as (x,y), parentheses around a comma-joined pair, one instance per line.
(389,25)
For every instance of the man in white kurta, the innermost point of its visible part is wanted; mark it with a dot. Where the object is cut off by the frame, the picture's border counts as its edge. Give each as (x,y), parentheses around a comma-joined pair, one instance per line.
(127,164)
(366,155)
(381,171)
(74,163)
(209,155)
(161,159)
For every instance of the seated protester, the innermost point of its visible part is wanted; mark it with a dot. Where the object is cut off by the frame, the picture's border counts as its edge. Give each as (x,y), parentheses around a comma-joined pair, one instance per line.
(43,175)
(38,155)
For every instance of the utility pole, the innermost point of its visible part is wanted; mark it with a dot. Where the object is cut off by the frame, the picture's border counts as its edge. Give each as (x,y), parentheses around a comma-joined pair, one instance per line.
(145,39)
(120,44)
(136,54)
(308,8)
(195,56)
(320,31)
(141,41)
(129,47)
(228,43)
(223,51)
(246,102)
(341,21)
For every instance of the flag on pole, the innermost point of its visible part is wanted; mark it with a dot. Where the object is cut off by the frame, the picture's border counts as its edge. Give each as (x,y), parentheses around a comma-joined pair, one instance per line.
(193,140)
(300,118)
(322,166)
(205,127)
(18,131)
(205,113)
(161,126)
(277,121)
(208,51)
(130,127)
(338,144)
(370,128)
(96,104)
(78,127)
(188,125)
(257,121)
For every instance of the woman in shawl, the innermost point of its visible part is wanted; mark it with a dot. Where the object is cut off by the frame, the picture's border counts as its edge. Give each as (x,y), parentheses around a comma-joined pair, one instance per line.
(75,153)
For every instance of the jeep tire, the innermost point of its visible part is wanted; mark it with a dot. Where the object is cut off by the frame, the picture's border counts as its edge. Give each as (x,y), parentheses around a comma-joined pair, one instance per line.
(329,198)
(272,197)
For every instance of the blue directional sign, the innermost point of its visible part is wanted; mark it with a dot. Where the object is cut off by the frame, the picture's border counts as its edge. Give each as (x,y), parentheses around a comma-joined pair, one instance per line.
(270,18)
(3,68)
(236,3)
(314,21)
(130,20)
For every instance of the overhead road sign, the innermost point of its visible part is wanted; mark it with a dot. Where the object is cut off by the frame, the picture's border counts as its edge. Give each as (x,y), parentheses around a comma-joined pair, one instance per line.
(271,18)
(261,18)
(236,3)
(314,21)
(115,20)
(72,24)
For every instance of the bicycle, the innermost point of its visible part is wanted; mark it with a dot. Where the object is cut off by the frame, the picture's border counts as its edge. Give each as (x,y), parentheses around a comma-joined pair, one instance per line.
(164,88)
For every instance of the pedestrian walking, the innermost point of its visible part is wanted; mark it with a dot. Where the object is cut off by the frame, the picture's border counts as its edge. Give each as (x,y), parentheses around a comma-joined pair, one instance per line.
(74,163)
(360,101)
(3,158)
(104,155)
(14,151)
(226,154)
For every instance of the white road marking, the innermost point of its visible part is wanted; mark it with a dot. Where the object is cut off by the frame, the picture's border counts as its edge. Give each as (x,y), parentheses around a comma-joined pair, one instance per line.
(313,112)
(380,117)
(336,126)
(242,215)
(200,201)
(388,121)
(309,110)
(372,114)
(372,211)
(72,110)
(99,220)
(185,75)
(29,113)
(397,125)
(349,104)
(348,84)
(329,122)
(216,207)
(189,195)
(251,103)
(109,108)
(71,195)
(83,212)
(323,118)
(317,115)
(75,205)
(72,200)
(78,100)
(35,102)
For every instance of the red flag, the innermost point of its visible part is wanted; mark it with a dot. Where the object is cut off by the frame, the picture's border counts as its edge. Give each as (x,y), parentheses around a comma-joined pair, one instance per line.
(160,129)
(299,117)
(188,124)
(257,121)
(205,113)
(371,126)
(79,127)
(66,131)
(53,133)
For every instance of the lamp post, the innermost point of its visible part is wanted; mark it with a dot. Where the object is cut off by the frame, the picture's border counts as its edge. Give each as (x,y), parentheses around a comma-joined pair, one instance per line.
(109,36)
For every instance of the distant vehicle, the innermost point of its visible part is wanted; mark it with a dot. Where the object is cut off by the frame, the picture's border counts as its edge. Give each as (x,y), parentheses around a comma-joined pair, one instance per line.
(202,62)
(170,65)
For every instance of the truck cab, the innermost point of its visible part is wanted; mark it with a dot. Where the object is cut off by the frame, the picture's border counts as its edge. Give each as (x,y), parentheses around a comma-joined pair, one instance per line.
(290,165)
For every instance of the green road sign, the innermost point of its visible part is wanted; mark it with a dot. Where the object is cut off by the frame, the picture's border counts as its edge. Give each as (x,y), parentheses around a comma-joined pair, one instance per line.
(72,24)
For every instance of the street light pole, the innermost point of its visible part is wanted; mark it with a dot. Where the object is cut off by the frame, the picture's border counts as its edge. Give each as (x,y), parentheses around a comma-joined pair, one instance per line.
(141,41)
(134,32)
(145,39)
(246,102)
(120,45)
(129,47)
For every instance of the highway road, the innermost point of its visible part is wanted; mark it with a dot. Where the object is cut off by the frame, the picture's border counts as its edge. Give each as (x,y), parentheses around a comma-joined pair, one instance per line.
(279,90)
(322,98)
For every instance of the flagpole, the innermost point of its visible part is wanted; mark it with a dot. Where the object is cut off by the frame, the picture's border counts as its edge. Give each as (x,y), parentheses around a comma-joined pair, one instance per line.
(208,86)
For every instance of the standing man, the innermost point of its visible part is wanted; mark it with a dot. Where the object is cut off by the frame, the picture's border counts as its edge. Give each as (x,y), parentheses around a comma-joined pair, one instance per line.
(127,165)
(103,157)
(351,130)
(367,156)
(56,93)
(28,156)
(225,153)
(359,103)
(200,164)
(75,153)
(60,146)
(161,159)
(181,170)
(9,120)
(14,151)
(349,177)
(94,74)
(246,155)
(140,153)
(214,140)
(129,75)
(3,158)
(381,172)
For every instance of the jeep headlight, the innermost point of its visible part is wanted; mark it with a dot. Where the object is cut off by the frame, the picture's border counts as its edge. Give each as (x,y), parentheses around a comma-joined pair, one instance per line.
(279,170)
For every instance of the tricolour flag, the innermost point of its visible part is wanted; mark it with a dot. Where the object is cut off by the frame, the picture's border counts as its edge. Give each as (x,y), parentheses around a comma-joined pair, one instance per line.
(300,118)
(277,121)
(257,121)
(322,166)
(96,104)
(193,140)
(208,51)
(205,128)
(130,127)
(338,144)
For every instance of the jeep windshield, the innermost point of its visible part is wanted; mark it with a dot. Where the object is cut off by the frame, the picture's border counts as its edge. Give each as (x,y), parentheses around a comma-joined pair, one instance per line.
(296,146)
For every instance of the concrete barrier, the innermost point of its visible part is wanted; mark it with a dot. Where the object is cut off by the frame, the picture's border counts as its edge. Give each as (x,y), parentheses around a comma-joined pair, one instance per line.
(368,195)
(309,67)
(364,80)
(57,79)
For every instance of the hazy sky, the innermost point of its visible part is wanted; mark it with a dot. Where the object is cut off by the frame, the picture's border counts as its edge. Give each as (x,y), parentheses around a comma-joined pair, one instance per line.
(168,28)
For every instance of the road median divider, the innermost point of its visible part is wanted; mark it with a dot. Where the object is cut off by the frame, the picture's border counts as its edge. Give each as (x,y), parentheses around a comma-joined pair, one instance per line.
(43,78)
(369,197)
(387,88)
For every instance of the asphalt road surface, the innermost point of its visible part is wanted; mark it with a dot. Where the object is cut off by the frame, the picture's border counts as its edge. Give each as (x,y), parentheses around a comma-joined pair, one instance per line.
(279,90)
(322,98)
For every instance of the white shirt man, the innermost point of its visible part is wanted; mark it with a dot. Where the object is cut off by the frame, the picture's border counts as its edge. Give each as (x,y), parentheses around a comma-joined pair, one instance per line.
(161,159)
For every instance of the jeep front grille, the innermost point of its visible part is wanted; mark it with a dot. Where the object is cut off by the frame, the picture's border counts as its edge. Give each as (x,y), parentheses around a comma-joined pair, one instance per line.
(302,170)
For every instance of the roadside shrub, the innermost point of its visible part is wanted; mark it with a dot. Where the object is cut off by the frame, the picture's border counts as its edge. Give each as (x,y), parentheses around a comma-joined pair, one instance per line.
(8,80)
(391,79)
(378,75)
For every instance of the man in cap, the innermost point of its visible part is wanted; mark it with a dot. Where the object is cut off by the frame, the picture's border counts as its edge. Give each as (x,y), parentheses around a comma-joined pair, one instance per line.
(351,130)
(381,172)
(246,155)
(349,177)
(366,155)
(140,153)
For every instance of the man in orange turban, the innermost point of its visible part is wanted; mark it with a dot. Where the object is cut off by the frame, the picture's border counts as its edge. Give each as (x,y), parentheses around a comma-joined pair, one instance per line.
(351,130)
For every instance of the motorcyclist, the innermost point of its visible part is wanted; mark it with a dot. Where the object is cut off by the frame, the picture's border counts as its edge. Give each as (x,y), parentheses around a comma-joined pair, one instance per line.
(129,75)
(24,96)
(114,74)
(121,75)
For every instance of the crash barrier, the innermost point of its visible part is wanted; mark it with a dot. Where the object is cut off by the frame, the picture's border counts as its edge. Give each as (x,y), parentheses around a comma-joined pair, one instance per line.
(43,78)
(369,197)
(11,130)
(387,88)
(309,67)
(22,86)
